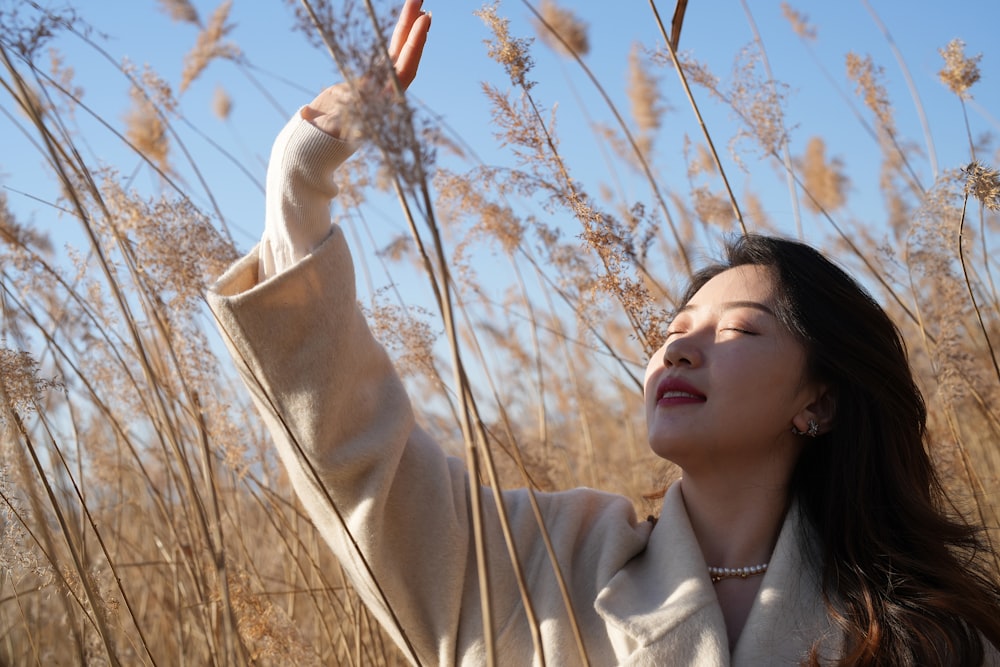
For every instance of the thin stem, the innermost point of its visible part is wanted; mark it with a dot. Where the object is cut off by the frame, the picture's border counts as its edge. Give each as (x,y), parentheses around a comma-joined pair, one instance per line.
(697,113)
(643,163)
(97,606)
(924,125)
(92,524)
(786,156)
(972,293)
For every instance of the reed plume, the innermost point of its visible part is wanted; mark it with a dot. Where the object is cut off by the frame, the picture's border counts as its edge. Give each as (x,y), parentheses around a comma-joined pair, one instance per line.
(960,72)
(209,45)
(561,30)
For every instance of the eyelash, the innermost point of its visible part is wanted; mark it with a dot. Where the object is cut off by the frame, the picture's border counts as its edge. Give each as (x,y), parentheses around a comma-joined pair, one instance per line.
(736,329)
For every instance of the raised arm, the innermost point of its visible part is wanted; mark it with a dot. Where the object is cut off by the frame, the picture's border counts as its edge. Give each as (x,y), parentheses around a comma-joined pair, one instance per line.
(302,160)
(391,505)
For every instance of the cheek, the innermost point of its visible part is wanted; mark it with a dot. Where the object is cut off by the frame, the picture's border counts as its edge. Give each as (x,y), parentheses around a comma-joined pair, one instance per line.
(772,374)
(655,363)
(757,372)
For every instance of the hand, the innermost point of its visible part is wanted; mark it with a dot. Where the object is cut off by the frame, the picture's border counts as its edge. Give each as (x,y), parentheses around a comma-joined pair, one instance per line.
(408,39)
(405,50)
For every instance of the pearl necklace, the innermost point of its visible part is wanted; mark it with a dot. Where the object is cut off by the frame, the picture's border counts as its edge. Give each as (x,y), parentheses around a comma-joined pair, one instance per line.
(720,573)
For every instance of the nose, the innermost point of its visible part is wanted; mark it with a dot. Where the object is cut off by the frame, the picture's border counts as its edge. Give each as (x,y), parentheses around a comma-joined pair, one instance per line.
(681,351)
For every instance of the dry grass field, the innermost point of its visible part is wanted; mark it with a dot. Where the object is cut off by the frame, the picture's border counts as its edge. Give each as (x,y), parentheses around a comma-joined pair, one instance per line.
(143,516)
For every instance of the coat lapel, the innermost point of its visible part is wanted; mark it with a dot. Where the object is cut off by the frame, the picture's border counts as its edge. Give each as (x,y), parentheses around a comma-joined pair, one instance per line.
(662,601)
(663,604)
(789,614)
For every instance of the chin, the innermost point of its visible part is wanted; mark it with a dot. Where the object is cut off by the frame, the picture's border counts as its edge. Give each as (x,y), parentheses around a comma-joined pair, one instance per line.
(668,448)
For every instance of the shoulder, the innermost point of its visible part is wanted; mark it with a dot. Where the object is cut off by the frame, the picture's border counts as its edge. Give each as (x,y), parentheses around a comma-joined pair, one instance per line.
(592,533)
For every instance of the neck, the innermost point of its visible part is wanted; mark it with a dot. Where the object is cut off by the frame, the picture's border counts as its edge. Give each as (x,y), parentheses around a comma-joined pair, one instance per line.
(736,525)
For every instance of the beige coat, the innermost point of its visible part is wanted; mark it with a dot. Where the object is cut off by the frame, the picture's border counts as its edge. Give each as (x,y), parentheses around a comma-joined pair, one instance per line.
(395,509)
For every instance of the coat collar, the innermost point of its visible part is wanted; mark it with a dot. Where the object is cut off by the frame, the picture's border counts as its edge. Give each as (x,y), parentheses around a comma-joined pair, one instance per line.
(664,599)
(666,584)
(789,614)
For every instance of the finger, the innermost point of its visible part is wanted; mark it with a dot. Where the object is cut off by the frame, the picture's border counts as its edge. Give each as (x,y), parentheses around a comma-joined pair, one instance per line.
(407,16)
(408,59)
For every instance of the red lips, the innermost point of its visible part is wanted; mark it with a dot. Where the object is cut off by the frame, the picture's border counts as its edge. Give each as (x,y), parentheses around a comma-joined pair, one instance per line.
(675,391)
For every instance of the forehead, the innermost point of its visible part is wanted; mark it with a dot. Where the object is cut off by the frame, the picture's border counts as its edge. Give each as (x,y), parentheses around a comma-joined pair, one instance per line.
(749,282)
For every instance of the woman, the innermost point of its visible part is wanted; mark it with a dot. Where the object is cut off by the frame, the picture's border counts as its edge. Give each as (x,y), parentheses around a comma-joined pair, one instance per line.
(904,583)
(805,527)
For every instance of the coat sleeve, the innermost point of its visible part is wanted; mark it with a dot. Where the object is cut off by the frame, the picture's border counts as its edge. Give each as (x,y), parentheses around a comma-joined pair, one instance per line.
(392,506)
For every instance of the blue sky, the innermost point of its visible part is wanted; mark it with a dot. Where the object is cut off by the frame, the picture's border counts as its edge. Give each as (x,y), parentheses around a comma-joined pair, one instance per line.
(456,62)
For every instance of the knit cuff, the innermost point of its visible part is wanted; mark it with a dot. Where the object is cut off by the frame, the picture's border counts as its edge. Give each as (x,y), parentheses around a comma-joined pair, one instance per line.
(300,185)
(310,156)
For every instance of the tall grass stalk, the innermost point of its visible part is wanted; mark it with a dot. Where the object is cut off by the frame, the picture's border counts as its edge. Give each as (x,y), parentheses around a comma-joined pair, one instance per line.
(701,121)
(917,103)
(786,155)
(144,518)
(639,154)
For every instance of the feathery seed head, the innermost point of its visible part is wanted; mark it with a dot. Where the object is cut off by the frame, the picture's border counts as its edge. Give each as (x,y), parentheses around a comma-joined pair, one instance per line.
(222,104)
(824,180)
(174,243)
(180,10)
(405,333)
(570,36)
(712,208)
(266,628)
(983,183)
(759,100)
(146,130)
(18,237)
(868,80)
(701,161)
(800,22)
(643,93)
(20,384)
(511,52)
(959,72)
(209,46)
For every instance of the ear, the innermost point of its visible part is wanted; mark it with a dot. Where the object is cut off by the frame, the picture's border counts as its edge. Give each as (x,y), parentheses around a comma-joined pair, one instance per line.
(821,410)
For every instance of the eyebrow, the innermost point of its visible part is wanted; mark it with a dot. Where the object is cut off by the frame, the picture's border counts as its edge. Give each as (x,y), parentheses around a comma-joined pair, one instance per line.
(730,305)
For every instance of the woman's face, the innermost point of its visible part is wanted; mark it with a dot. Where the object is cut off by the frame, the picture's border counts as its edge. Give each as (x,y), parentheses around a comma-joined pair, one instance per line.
(727,383)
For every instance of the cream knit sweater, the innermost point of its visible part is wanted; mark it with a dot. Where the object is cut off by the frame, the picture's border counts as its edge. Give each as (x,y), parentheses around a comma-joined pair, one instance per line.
(395,509)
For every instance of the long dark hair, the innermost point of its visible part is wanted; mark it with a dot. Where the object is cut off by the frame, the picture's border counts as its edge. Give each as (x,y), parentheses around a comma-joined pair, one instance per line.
(907,580)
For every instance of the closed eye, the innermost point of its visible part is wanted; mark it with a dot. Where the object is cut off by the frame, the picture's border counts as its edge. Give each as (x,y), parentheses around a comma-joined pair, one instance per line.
(742,331)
